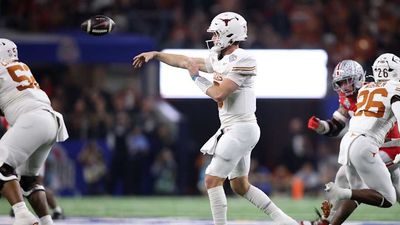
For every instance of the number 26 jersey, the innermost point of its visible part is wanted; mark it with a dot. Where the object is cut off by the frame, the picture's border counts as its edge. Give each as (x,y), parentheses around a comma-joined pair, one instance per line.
(19,91)
(374,116)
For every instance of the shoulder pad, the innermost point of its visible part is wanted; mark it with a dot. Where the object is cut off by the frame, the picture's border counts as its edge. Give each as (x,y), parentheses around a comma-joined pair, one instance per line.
(245,63)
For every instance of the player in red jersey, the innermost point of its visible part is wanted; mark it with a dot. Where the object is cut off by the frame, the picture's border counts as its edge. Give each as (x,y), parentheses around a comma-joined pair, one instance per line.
(348,78)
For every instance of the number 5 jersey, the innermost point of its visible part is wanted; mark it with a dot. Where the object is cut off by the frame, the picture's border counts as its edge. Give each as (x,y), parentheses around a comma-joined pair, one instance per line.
(20,93)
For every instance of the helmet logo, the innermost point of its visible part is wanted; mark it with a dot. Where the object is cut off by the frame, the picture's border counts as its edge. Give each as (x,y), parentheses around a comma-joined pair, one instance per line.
(232,58)
(226,21)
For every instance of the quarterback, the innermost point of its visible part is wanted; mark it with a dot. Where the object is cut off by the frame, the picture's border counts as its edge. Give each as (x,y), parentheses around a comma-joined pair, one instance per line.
(233,90)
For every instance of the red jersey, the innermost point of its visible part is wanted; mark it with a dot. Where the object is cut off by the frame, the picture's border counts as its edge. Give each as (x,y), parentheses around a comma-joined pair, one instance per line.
(394,148)
(348,102)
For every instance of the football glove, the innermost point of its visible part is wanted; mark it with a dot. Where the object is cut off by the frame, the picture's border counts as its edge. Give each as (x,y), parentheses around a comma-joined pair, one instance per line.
(319,126)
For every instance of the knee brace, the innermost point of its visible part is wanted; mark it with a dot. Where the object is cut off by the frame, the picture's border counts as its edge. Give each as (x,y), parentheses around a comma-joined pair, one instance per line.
(30,184)
(7,173)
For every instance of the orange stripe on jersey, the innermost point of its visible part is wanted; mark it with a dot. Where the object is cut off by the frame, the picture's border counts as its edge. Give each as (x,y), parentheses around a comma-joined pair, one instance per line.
(244,68)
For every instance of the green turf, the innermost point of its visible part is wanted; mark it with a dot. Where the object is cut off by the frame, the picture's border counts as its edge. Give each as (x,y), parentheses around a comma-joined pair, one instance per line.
(198,207)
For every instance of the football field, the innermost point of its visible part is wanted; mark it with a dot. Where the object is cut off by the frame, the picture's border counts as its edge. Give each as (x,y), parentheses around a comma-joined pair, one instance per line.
(194,210)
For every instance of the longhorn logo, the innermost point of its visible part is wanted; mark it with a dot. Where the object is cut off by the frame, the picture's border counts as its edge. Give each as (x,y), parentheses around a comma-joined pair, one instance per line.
(226,21)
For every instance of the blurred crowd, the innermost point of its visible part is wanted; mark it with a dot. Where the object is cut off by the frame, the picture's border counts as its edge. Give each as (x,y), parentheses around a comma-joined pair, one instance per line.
(143,141)
(356,29)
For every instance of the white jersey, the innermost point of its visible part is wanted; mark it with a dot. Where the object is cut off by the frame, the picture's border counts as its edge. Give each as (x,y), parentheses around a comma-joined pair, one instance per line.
(240,106)
(359,147)
(19,91)
(374,116)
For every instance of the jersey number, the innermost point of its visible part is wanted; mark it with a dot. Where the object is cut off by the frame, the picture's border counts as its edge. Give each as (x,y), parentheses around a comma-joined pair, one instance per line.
(26,76)
(364,107)
(382,73)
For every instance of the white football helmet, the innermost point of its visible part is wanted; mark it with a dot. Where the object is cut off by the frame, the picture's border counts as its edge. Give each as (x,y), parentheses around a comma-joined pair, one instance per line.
(8,51)
(347,77)
(229,27)
(386,67)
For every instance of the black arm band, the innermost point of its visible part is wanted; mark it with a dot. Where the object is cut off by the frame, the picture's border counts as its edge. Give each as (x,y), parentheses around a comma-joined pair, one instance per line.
(334,128)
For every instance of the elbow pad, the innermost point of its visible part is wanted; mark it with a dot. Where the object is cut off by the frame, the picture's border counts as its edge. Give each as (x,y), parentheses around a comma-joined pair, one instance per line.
(202,83)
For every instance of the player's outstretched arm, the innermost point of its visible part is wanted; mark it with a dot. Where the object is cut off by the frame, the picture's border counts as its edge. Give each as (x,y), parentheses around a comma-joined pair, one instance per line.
(332,127)
(142,58)
(318,125)
(180,61)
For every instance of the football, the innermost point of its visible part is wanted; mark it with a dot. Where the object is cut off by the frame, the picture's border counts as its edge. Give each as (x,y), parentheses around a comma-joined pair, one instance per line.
(98,25)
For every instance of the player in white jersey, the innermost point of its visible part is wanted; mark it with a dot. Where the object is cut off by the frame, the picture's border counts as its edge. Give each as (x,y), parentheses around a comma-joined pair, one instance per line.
(233,90)
(35,127)
(348,77)
(378,108)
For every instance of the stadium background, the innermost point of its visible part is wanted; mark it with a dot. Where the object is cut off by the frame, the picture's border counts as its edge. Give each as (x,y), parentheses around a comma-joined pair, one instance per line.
(123,139)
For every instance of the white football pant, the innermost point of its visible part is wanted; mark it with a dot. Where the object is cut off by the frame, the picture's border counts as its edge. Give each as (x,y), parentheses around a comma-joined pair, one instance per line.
(29,141)
(365,164)
(233,150)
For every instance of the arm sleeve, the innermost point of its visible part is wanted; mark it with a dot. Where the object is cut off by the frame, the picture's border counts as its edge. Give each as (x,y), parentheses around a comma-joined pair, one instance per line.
(335,127)
(336,124)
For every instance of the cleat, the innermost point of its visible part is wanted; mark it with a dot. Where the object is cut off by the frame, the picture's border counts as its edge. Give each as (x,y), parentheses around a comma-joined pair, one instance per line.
(281,218)
(58,215)
(11,213)
(322,217)
(288,221)
(318,213)
(321,222)
(326,209)
(26,218)
(315,222)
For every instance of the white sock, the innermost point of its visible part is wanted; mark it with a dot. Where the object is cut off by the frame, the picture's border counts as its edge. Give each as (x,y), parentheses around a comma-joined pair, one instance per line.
(265,204)
(19,207)
(218,204)
(345,193)
(261,200)
(331,214)
(46,220)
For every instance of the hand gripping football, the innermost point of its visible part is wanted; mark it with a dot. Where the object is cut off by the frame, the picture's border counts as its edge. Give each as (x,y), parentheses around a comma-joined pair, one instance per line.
(98,25)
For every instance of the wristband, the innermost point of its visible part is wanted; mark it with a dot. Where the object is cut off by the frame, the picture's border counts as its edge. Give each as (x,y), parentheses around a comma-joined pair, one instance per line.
(323,128)
(202,83)
(194,77)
